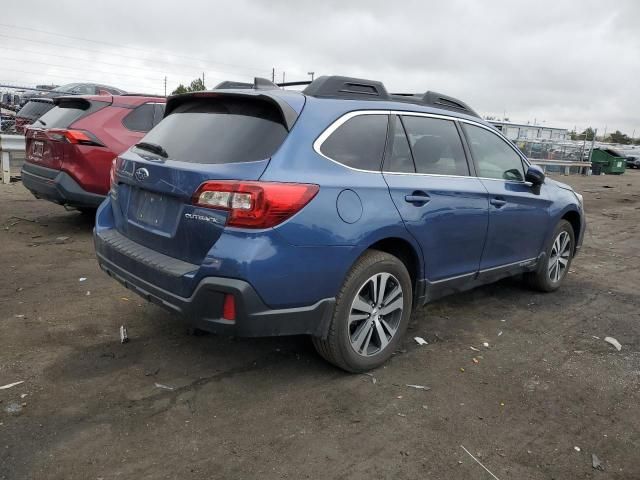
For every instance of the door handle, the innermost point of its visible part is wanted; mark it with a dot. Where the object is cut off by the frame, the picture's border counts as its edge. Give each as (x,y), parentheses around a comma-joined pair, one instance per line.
(417,198)
(498,202)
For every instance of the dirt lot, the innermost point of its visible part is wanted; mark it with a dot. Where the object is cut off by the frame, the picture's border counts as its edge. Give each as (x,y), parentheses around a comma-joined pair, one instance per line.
(271,408)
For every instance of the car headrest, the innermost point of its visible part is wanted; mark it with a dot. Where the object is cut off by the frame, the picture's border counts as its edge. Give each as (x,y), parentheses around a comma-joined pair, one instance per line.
(429,149)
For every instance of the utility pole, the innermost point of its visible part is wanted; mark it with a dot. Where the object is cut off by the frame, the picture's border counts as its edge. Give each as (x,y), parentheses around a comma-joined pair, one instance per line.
(312,74)
(165,85)
(283,77)
(593,141)
(203,81)
(273,75)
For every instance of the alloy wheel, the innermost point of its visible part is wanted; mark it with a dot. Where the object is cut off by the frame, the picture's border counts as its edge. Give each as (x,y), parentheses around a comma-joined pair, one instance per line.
(559,257)
(375,314)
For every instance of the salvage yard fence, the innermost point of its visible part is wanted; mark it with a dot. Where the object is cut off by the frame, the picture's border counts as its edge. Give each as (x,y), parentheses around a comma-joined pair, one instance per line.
(12,153)
(560,156)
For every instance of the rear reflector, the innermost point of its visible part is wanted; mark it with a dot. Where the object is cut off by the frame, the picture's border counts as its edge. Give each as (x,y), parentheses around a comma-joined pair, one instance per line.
(229,308)
(255,204)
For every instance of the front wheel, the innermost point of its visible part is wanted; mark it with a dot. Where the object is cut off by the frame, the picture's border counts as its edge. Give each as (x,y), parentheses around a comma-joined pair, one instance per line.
(371,314)
(552,271)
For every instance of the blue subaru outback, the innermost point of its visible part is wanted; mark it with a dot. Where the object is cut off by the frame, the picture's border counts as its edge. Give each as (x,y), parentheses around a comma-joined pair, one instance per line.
(331,212)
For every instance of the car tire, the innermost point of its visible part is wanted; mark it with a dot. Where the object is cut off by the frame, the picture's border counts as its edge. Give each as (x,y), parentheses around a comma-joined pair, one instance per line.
(355,340)
(551,271)
(87,211)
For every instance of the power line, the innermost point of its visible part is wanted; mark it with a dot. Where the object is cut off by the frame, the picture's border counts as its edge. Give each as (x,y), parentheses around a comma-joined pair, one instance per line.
(119,74)
(155,53)
(40,74)
(120,65)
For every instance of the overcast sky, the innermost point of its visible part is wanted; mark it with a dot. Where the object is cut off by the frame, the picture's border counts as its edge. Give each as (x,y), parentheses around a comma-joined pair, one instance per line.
(567,63)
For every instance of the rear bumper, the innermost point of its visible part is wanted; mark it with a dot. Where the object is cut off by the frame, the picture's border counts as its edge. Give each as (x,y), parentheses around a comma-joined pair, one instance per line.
(58,187)
(203,309)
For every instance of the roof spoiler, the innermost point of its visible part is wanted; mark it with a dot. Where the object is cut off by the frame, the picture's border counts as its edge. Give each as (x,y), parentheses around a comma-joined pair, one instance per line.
(289,115)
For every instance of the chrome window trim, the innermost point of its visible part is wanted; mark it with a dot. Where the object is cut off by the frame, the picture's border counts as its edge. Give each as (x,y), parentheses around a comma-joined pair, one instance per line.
(317,144)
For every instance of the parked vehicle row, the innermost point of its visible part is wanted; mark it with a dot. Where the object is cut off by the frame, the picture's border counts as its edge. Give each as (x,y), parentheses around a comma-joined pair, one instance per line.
(633,160)
(70,149)
(38,103)
(331,212)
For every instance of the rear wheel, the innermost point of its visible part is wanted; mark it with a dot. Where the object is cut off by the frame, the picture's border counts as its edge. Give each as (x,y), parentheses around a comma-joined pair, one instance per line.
(371,314)
(89,212)
(551,272)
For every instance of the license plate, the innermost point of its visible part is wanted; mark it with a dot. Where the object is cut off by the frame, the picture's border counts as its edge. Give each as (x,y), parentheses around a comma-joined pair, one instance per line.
(149,208)
(38,149)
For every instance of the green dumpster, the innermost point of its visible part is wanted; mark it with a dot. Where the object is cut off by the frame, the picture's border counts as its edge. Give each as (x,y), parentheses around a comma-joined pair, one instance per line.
(610,161)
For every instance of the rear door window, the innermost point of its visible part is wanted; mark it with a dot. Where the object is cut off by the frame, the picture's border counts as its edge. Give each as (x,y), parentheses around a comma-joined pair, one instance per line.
(220,130)
(398,158)
(69,111)
(140,119)
(436,146)
(359,142)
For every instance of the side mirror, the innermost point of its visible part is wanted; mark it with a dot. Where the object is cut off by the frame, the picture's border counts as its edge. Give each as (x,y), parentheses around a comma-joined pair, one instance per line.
(535,175)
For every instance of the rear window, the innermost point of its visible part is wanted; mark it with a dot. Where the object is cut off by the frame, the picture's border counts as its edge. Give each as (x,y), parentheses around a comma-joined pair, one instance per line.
(141,118)
(34,109)
(220,130)
(359,142)
(68,111)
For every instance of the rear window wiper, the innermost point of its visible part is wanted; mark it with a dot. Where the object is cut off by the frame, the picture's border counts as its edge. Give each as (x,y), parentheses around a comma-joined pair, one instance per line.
(152,147)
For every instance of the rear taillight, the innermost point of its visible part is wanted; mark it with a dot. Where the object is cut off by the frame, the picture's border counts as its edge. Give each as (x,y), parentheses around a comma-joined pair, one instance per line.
(255,204)
(112,173)
(79,137)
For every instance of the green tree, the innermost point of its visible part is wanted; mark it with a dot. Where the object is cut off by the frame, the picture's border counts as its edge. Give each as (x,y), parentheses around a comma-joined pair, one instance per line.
(195,86)
(180,89)
(619,137)
(588,134)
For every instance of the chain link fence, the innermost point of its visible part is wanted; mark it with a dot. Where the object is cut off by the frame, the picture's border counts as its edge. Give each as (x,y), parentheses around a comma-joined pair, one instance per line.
(558,150)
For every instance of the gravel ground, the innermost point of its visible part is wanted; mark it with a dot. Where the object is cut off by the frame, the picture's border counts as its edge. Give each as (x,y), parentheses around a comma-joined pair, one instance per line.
(545,395)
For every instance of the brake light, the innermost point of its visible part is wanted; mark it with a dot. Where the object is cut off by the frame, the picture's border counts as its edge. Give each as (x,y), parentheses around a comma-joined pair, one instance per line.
(79,137)
(255,204)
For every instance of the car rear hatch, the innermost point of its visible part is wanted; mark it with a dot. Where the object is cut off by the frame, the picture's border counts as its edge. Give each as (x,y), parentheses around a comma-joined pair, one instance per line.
(49,140)
(208,136)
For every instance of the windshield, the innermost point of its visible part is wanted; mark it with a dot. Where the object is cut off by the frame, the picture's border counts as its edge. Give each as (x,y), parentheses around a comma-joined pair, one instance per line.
(66,88)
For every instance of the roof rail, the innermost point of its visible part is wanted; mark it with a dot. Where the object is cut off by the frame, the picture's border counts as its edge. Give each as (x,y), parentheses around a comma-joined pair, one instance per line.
(294,84)
(346,87)
(435,99)
(335,86)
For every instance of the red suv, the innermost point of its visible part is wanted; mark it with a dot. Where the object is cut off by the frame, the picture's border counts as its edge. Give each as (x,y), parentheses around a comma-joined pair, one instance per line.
(69,150)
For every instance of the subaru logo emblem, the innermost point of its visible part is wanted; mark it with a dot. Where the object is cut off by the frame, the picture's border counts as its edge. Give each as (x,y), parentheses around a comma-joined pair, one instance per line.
(142,174)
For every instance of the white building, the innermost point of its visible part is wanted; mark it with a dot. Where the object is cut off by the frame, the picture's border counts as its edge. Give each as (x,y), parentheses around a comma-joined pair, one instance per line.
(520,131)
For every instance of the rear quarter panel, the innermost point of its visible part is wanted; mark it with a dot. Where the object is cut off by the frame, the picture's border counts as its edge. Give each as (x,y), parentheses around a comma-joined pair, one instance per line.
(90,166)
